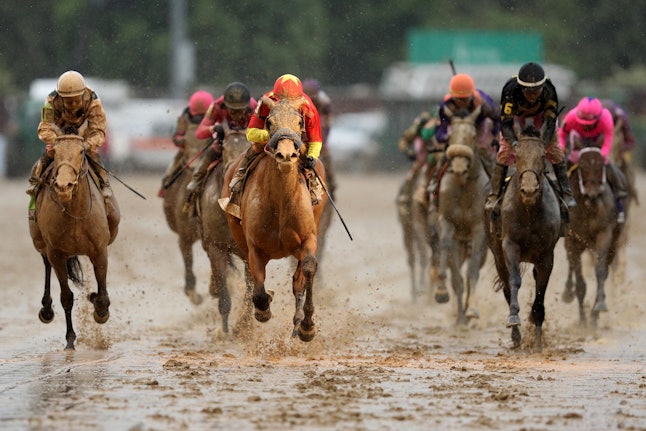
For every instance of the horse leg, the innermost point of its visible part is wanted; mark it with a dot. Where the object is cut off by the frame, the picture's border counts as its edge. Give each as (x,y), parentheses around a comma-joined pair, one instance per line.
(100,298)
(46,313)
(513,321)
(67,298)
(580,285)
(306,329)
(261,298)
(219,269)
(457,282)
(601,272)
(475,263)
(542,272)
(446,236)
(186,248)
(244,321)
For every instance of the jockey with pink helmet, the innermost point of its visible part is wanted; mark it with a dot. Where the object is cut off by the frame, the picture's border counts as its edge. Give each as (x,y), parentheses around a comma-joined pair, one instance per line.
(590,124)
(185,129)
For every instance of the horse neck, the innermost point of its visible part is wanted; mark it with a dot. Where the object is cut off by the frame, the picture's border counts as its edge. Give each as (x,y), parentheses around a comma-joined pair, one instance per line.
(282,185)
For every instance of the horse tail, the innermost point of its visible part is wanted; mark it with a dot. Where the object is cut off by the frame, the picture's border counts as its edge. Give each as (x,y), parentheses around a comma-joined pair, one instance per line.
(75,270)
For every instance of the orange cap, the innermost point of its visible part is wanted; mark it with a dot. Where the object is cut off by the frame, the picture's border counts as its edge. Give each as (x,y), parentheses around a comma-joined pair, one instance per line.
(462,85)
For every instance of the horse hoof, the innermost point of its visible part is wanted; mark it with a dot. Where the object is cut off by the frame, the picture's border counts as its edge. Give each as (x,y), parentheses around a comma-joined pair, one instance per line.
(196,298)
(442,297)
(262,315)
(46,316)
(306,335)
(513,320)
(515,336)
(101,319)
(600,306)
(568,296)
(472,313)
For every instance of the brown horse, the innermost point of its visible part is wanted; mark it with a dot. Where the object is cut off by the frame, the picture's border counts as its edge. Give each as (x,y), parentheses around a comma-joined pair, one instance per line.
(71,219)
(277,216)
(182,221)
(460,225)
(593,227)
(217,240)
(525,230)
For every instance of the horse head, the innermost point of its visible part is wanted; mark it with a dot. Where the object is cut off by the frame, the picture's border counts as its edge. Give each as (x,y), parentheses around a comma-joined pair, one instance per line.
(285,125)
(530,164)
(69,154)
(591,173)
(462,141)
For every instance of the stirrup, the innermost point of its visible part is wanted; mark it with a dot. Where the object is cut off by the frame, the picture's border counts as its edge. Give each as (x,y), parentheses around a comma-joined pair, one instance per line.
(491,203)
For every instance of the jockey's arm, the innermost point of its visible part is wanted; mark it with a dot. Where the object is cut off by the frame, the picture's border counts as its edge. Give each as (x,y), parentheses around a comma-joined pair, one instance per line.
(95,135)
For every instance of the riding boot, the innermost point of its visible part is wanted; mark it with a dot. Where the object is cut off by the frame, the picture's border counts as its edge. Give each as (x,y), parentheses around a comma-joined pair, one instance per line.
(37,170)
(236,182)
(617,183)
(316,189)
(560,170)
(198,176)
(497,180)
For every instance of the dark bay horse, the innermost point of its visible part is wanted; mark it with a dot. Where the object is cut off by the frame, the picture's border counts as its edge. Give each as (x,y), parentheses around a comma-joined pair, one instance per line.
(72,219)
(593,227)
(277,216)
(182,221)
(217,240)
(525,230)
(460,224)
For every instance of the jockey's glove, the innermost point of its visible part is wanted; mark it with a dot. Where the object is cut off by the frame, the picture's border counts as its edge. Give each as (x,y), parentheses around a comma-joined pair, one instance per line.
(310,162)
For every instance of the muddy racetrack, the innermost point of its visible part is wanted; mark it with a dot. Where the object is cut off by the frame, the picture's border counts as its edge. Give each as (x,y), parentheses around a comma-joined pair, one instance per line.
(378,362)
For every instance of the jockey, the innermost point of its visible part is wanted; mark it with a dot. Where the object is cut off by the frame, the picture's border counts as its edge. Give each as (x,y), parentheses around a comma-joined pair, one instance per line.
(592,125)
(463,94)
(187,123)
(419,144)
(286,87)
(529,98)
(234,107)
(72,108)
(620,120)
(323,104)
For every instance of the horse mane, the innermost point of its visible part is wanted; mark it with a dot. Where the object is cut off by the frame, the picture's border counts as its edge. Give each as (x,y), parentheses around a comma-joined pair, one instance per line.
(531,131)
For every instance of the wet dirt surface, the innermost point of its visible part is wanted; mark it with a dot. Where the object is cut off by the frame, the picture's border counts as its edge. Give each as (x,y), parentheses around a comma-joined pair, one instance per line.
(378,362)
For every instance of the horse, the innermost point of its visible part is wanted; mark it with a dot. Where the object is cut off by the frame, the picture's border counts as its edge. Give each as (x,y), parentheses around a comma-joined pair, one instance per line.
(420,239)
(525,229)
(217,241)
(459,220)
(593,227)
(182,221)
(72,219)
(278,219)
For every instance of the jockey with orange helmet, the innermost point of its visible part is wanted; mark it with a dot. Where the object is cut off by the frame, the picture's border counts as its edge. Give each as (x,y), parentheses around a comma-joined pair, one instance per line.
(529,98)
(72,108)
(185,128)
(234,107)
(463,94)
(589,124)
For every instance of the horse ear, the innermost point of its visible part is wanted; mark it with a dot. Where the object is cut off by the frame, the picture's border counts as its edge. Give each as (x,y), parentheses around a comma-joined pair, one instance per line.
(265,100)
(476,112)
(448,112)
(296,104)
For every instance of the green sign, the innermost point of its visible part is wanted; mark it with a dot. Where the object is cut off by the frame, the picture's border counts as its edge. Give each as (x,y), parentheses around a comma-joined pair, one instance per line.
(473,47)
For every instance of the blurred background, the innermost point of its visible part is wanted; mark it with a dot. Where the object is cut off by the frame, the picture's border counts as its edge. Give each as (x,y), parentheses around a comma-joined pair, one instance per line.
(382,63)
